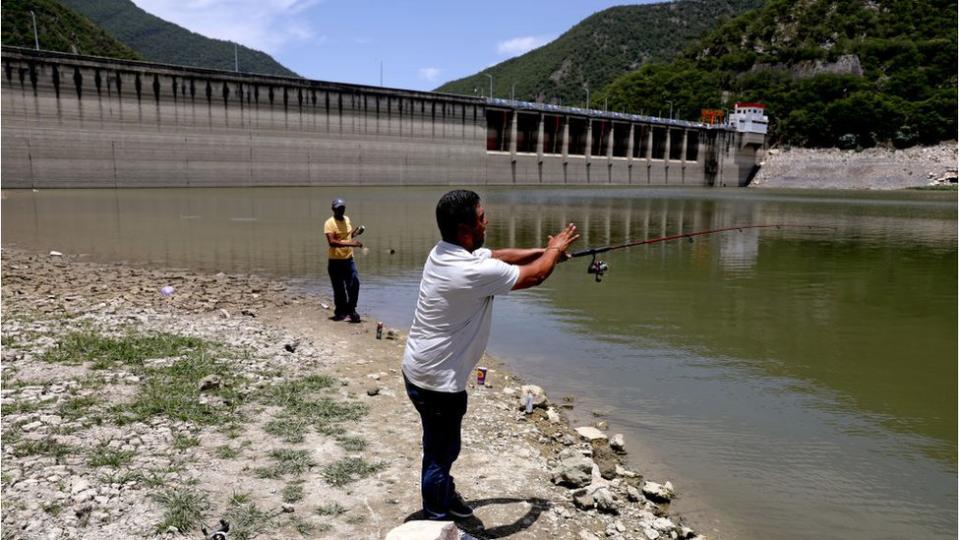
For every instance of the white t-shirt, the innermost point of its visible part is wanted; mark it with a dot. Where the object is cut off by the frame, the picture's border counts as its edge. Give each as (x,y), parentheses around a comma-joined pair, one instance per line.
(452,322)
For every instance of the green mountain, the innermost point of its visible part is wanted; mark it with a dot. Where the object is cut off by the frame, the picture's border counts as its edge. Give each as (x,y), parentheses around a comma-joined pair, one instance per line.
(601,48)
(842,73)
(160,41)
(59,29)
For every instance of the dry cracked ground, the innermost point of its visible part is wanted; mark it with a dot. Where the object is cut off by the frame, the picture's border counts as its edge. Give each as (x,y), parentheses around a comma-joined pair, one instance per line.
(126,413)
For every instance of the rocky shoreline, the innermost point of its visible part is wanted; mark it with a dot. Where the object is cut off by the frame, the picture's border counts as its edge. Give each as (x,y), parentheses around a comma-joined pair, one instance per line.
(131,412)
(870,169)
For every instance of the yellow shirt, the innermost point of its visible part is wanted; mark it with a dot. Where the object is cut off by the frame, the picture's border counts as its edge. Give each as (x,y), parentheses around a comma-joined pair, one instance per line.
(341,230)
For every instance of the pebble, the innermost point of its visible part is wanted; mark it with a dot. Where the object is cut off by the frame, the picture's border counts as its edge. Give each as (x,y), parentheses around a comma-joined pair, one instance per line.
(617,443)
(590,433)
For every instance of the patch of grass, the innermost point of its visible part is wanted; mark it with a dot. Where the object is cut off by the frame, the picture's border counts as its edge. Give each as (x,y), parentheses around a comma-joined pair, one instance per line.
(292,492)
(121,477)
(247,520)
(173,392)
(332,509)
(12,433)
(155,478)
(302,526)
(77,407)
(45,447)
(104,456)
(290,429)
(352,443)
(53,508)
(302,409)
(349,470)
(182,508)
(130,350)
(226,452)
(356,519)
(232,430)
(332,430)
(182,442)
(328,412)
(25,407)
(286,461)
(238,498)
(293,391)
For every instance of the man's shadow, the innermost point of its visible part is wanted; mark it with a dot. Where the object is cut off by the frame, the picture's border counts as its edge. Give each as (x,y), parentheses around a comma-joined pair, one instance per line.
(475,527)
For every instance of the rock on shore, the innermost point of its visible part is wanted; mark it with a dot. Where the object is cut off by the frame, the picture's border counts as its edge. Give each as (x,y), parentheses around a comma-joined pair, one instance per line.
(873,168)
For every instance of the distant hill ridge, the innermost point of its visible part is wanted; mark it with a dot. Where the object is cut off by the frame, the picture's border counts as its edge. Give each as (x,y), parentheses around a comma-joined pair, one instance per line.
(160,41)
(59,28)
(600,48)
(847,73)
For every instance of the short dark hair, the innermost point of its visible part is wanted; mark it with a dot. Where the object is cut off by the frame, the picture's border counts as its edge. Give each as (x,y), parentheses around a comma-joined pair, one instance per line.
(457,207)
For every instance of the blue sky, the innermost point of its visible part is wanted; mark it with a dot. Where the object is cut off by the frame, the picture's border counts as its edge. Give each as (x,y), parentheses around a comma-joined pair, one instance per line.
(422,44)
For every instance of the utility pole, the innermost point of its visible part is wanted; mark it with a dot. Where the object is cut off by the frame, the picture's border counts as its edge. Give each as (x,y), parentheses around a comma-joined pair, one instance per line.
(671,109)
(36,38)
(491,84)
(236,58)
(588,97)
(513,88)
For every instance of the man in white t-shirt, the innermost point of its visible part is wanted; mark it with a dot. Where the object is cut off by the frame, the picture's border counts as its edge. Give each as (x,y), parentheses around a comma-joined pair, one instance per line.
(450,331)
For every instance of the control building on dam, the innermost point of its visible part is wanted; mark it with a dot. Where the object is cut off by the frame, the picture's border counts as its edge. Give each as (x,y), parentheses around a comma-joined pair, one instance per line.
(78,121)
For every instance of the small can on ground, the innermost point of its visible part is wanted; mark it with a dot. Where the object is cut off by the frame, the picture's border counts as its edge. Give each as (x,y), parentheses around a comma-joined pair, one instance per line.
(481,376)
(379,329)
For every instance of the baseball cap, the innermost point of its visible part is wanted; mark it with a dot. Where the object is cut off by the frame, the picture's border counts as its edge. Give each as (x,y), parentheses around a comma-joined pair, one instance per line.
(337,203)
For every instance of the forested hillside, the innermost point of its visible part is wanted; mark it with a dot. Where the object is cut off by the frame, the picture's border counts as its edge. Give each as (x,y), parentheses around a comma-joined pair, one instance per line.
(600,48)
(842,73)
(59,28)
(160,41)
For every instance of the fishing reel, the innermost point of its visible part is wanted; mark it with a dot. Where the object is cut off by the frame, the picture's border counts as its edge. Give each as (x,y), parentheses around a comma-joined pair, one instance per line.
(597,268)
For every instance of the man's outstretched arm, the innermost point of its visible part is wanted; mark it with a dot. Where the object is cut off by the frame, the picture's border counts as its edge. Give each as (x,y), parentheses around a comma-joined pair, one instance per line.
(540,268)
(517,255)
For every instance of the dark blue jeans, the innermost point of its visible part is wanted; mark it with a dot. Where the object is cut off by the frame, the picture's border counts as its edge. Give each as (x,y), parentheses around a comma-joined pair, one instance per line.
(441,414)
(346,285)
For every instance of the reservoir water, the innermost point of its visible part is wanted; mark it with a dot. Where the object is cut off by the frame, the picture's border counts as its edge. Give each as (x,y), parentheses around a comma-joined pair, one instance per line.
(793,383)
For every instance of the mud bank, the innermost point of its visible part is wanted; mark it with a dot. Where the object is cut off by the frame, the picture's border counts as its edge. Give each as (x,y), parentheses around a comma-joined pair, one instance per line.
(873,168)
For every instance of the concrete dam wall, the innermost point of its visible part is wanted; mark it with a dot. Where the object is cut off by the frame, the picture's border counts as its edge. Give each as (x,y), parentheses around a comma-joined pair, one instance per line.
(74,121)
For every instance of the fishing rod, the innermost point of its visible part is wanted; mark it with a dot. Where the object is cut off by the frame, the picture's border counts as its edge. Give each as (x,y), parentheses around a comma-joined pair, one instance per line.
(598,267)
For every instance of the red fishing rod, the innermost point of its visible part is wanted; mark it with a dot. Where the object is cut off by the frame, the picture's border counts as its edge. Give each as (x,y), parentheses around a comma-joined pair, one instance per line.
(598,267)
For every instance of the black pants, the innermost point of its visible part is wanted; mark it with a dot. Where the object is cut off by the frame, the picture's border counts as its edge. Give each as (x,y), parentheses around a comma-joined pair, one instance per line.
(441,414)
(346,285)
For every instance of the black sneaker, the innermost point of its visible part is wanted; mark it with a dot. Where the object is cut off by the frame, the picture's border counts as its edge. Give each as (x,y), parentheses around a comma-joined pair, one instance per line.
(433,516)
(354,317)
(338,317)
(458,507)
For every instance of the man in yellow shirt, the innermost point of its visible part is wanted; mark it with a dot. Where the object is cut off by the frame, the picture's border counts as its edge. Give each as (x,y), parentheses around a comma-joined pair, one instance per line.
(342,269)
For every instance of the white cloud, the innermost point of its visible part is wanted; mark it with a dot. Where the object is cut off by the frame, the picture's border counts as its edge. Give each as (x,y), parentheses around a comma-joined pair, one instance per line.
(520,45)
(266,25)
(429,73)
